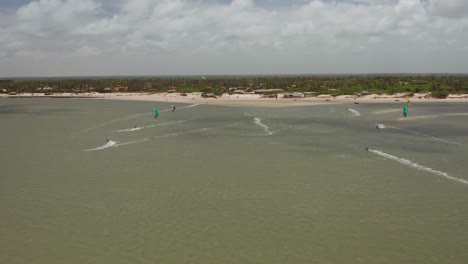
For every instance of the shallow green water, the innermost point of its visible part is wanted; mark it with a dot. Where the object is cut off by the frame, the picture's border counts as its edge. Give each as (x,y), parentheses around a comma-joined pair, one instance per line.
(211,184)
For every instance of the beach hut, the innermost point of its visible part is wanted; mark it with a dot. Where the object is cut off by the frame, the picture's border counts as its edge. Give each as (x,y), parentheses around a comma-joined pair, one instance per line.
(293,95)
(263,91)
(310,94)
(208,95)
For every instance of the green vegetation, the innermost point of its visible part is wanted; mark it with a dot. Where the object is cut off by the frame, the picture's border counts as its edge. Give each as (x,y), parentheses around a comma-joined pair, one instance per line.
(439,85)
(440,94)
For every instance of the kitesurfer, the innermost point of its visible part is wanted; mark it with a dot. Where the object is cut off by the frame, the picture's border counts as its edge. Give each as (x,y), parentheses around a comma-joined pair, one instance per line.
(107,140)
(173,108)
(367,148)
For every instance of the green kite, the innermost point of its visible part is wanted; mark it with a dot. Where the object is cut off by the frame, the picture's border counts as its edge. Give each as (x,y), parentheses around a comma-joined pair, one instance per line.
(405,111)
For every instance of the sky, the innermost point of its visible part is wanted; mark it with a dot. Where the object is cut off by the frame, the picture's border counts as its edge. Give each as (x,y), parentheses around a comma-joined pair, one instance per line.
(211,37)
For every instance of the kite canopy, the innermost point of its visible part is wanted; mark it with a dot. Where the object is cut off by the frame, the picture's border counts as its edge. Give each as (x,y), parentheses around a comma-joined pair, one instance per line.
(156,113)
(405,111)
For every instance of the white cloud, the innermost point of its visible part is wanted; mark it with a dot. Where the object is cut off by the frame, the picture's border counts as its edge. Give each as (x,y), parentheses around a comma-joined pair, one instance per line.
(188,37)
(449,8)
(87,51)
(242,3)
(45,17)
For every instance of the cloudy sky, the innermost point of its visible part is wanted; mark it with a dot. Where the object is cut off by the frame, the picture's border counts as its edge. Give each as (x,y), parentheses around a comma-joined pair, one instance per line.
(203,37)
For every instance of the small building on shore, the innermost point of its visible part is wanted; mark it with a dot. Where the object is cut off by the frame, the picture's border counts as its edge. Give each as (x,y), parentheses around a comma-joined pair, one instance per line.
(208,95)
(239,91)
(293,95)
(121,88)
(78,90)
(310,94)
(264,91)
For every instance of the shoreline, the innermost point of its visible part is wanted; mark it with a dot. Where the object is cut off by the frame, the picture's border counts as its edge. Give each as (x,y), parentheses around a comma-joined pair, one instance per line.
(249,99)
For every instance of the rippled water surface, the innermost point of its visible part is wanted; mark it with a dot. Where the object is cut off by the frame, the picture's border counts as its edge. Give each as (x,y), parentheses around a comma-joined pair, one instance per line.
(94,181)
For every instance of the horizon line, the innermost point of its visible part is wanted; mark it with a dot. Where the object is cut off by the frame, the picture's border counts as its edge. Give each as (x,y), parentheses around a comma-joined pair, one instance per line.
(227,74)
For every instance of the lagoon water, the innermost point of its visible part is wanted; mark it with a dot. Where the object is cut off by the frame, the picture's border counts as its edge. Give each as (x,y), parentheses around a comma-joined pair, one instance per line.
(213,184)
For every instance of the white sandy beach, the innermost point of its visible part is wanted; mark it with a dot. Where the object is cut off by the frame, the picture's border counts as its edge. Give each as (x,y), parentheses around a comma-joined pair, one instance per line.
(247,99)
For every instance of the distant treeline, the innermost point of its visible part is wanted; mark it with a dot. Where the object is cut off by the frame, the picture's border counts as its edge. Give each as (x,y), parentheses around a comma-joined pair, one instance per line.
(438,85)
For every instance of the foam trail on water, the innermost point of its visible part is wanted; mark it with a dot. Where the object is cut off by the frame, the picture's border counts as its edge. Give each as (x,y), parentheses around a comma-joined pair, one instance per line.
(114,145)
(417,166)
(162,124)
(125,118)
(109,122)
(129,129)
(182,107)
(386,111)
(354,112)
(163,136)
(168,123)
(188,106)
(131,142)
(109,144)
(431,116)
(266,128)
(425,135)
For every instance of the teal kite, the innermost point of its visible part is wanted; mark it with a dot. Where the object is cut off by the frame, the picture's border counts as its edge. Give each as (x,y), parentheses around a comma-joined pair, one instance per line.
(156,113)
(405,111)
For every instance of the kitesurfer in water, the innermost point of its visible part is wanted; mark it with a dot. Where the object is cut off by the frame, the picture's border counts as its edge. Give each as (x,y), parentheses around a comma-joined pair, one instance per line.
(367,148)
(107,140)
(173,108)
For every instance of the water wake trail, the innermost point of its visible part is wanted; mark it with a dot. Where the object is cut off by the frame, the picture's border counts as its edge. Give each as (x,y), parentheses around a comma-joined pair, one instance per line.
(127,117)
(109,144)
(114,144)
(424,135)
(168,123)
(108,123)
(182,107)
(158,137)
(417,166)
(354,112)
(431,116)
(266,128)
(386,111)
(129,129)
(188,106)
(162,124)
(272,132)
